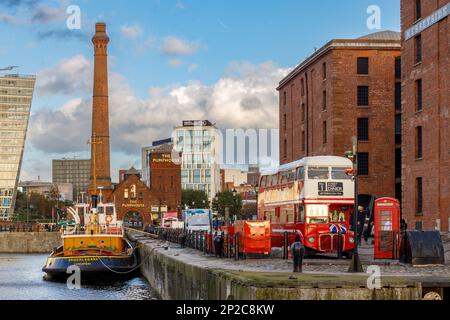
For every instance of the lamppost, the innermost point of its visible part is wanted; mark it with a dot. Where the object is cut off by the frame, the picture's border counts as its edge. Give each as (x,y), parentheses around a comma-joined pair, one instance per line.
(355,265)
(234,203)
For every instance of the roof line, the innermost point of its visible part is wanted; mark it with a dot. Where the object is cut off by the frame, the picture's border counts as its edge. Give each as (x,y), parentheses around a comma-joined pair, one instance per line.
(331,45)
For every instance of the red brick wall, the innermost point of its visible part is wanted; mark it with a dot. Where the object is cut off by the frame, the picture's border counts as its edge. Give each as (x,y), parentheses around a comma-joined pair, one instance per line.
(434,167)
(342,112)
(126,205)
(165,180)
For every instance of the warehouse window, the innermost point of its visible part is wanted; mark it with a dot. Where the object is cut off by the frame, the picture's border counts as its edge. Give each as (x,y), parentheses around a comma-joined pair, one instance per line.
(302,87)
(284,98)
(363,129)
(363,66)
(419,142)
(285,148)
(284,122)
(363,163)
(363,96)
(303,112)
(418,9)
(418,45)
(303,141)
(419,101)
(419,195)
(398,96)
(324,70)
(398,67)
(324,100)
(324,132)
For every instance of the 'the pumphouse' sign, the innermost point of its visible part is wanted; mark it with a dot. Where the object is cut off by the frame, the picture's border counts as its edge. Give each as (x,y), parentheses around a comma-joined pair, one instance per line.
(427,22)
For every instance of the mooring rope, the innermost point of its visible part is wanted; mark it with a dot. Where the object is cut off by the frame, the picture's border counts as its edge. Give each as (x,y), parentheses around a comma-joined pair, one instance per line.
(134,268)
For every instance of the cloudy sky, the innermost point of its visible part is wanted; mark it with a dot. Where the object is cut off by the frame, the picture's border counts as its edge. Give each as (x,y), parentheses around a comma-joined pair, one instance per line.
(169,60)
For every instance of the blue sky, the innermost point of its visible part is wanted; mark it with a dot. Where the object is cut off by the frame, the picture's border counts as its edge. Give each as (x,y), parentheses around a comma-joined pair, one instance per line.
(166,47)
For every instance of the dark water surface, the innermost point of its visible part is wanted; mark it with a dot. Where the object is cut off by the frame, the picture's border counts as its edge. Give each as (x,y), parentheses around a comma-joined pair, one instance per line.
(21,278)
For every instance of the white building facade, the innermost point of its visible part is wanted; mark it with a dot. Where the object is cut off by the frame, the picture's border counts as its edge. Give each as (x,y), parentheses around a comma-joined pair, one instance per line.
(16,94)
(200,146)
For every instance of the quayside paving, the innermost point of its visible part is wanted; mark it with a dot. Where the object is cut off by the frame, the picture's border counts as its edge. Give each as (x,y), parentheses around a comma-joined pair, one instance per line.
(183,273)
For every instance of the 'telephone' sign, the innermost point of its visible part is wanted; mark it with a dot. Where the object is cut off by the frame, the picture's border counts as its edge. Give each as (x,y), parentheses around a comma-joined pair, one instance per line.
(427,22)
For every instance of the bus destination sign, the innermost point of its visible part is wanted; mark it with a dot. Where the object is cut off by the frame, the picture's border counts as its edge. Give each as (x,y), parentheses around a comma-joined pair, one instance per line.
(331,188)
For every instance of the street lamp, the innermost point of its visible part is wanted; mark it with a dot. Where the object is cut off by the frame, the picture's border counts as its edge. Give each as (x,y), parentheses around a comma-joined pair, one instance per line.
(355,265)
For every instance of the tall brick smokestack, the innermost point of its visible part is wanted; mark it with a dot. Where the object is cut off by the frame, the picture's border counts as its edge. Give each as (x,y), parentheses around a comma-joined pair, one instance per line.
(100,113)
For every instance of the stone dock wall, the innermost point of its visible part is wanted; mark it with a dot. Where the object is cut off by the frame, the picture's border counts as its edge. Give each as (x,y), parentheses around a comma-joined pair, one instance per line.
(29,242)
(173,277)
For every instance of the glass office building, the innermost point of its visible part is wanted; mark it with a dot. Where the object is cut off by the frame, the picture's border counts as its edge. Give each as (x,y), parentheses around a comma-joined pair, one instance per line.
(16,94)
(200,170)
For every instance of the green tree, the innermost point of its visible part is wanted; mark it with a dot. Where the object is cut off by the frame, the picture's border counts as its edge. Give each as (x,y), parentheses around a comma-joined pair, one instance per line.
(227,199)
(248,211)
(196,199)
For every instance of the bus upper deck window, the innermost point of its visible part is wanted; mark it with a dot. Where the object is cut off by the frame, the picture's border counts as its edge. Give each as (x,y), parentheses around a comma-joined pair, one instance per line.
(301,174)
(291,175)
(339,174)
(318,173)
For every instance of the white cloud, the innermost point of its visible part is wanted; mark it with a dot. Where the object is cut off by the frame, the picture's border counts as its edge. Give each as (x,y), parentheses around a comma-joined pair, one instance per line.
(175,62)
(245,97)
(7,18)
(131,31)
(177,46)
(69,76)
(48,14)
(192,67)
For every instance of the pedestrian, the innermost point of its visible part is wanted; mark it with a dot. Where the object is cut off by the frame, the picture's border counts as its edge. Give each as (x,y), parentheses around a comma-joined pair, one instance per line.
(217,245)
(298,252)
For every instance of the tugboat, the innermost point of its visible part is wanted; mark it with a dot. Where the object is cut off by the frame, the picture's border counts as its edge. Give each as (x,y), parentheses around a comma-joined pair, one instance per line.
(98,248)
(96,245)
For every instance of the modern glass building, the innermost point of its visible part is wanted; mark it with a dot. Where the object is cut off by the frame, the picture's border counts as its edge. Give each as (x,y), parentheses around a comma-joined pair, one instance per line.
(200,170)
(16,94)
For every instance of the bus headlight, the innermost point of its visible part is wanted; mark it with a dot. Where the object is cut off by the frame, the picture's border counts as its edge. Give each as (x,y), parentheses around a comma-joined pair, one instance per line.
(351,239)
(311,239)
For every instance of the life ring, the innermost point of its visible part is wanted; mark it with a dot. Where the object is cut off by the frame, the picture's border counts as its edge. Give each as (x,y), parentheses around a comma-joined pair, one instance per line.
(109,219)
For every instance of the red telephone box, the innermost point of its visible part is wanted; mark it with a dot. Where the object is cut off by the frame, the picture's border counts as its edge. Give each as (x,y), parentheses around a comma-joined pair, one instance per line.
(387,228)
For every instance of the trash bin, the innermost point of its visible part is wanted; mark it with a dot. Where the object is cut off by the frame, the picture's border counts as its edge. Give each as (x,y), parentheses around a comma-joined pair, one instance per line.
(422,248)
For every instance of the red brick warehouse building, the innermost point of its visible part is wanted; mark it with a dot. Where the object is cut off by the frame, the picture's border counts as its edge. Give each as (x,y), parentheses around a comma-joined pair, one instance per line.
(426,116)
(347,88)
(165,178)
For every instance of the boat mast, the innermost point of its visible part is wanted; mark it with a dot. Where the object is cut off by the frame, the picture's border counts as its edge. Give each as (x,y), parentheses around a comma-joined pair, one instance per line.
(94,141)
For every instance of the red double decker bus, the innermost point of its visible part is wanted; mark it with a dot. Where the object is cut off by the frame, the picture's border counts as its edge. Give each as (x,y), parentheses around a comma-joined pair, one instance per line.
(313,198)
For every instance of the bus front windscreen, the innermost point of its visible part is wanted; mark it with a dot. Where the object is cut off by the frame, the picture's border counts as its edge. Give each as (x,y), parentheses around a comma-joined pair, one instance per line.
(317,214)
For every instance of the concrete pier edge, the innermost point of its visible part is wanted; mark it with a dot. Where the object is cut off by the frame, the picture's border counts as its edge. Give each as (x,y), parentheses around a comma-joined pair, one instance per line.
(176,279)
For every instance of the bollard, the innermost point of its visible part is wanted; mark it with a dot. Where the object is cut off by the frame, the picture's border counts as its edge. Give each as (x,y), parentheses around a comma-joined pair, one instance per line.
(285,246)
(339,251)
(298,251)
(395,243)
(236,246)
(210,242)
(228,246)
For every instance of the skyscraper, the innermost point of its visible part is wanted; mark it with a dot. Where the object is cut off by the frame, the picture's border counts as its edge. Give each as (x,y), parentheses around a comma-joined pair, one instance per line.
(16,93)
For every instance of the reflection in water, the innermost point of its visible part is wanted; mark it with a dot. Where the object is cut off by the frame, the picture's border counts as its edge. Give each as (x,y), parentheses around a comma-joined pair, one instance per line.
(21,278)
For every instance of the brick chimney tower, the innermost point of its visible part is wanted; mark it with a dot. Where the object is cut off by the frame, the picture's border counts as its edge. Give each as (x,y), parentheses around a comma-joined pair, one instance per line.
(100,151)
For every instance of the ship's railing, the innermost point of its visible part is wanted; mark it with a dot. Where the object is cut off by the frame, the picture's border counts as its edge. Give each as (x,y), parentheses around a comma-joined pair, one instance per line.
(110,229)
